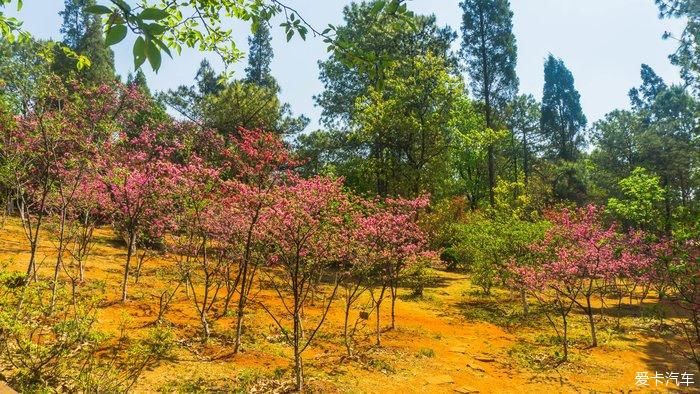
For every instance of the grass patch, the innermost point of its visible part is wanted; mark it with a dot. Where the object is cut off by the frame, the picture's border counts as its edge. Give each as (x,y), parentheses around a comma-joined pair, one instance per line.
(426,352)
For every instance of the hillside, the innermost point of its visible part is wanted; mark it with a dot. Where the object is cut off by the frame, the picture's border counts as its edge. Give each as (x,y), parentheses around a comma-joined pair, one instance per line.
(450,340)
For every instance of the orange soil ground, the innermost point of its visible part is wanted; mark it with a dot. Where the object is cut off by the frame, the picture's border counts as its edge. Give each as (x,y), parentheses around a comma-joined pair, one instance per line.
(443,343)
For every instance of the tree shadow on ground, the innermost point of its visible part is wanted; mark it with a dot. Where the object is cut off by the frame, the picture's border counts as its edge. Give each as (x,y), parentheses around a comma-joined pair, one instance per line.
(651,307)
(664,355)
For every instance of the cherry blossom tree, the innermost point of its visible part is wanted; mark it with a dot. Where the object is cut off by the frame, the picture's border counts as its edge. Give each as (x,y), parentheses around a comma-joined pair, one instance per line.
(140,177)
(392,240)
(200,259)
(91,209)
(304,226)
(577,256)
(356,272)
(259,162)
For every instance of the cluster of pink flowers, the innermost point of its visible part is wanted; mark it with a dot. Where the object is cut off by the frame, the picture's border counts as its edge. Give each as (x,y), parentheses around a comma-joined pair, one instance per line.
(580,246)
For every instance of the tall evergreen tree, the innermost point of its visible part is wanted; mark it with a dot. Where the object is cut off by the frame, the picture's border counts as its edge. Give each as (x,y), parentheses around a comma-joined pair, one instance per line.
(139,80)
(562,117)
(260,57)
(687,56)
(373,45)
(652,84)
(188,100)
(75,21)
(524,123)
(82,32)
(490,53)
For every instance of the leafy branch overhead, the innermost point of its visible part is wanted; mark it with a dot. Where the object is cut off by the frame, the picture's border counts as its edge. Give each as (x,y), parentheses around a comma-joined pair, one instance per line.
(166,26)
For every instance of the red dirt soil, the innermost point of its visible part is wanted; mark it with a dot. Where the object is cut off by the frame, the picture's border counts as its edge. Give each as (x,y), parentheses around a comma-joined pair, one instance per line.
(437,347)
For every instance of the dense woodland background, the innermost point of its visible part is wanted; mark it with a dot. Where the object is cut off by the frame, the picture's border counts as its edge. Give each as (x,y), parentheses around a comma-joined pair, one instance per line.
(428,160)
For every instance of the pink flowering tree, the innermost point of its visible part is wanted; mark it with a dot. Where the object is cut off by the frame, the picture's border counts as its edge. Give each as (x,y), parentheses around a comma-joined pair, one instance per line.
(139,177)
(258,162)
(577,257)
(391,240)
(91,208)
(31,144)
(200,259)
(304,227)
(356,271)
(642,266)
(557,307)
(48,152)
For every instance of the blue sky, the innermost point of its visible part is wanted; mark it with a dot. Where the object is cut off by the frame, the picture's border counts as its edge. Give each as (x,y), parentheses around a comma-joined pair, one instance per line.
(603,42)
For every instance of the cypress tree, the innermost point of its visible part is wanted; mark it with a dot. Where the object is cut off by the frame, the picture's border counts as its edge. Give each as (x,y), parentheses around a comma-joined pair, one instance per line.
(562,118)
(260,57)
(490,53)
(82,32)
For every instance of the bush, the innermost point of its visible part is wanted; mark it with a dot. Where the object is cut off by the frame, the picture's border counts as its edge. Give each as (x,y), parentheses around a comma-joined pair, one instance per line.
(57,348)
(418,277)
(485,245)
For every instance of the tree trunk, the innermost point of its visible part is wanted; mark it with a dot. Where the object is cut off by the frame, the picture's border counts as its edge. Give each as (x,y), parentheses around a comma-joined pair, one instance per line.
(591,321)
(241,307)
(129,253)
(298,369)
(81,270)
(59,259)
(565,339)
(394,292)
(298,334)
(239,323)
(31,270)
(379,341)
(346,336)
(205,325)
(492,176)
(525,162)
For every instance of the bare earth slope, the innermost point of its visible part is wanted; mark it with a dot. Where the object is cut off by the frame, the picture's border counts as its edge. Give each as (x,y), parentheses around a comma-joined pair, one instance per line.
(450,340)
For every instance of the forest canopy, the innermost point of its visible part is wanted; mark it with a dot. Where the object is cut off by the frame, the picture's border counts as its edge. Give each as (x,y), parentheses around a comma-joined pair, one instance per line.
(207,222)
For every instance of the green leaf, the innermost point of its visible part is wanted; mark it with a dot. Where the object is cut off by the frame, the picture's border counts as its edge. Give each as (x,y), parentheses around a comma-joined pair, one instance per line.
(83,62)
(154,29)
(98,9)
(377,7)
(153,54)
(162,46)
(393,6)
(115,34)
(139,52)
(153,14)
(122,4)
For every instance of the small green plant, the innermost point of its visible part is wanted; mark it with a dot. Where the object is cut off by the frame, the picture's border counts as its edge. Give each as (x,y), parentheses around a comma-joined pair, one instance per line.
(426,352)
(246,379)
(381,365)
(418,277)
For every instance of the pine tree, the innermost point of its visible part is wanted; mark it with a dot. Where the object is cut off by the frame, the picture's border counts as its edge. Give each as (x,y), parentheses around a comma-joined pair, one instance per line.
(562,117)
(652,85)
(82,32)
(524,123)
(260,57)
(139,80)
(687,56)
(75,20)
(207,80)
(490,53)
